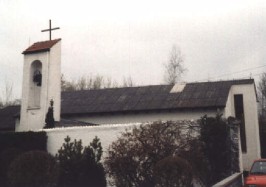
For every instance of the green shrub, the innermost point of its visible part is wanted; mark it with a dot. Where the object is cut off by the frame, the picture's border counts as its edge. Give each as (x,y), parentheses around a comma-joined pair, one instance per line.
(25,141)
(13,144)
(49,118)
(92,171)
(33,169)
(6,158)
(214,136)
(81,166)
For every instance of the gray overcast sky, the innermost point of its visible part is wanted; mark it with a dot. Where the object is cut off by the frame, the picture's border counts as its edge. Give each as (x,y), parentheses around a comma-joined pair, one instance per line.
(121,38)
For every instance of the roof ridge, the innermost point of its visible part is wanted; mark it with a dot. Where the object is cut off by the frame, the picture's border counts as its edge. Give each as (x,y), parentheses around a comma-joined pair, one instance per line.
(58,39)
(157,85)
(144,86)
(232,80)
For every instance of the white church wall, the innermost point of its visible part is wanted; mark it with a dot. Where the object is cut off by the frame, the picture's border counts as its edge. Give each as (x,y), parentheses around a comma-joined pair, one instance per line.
(251,120)
(106,133)
(144,117)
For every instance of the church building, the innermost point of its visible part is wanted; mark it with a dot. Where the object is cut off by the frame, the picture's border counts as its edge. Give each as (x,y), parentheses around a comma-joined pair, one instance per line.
(98,110)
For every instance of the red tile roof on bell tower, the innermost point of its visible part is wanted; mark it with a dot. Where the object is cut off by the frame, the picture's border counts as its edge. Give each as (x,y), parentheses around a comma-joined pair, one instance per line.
(41,46)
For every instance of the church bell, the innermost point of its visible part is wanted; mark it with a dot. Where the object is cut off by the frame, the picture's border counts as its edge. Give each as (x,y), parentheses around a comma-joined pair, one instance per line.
(37,78)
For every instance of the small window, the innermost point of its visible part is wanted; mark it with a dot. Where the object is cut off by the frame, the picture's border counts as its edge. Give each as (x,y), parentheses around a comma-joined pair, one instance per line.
(239,114)
(35,83)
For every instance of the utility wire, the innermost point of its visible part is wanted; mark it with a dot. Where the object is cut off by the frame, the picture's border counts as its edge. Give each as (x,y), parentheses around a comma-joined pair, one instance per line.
(251,75)
(244,70)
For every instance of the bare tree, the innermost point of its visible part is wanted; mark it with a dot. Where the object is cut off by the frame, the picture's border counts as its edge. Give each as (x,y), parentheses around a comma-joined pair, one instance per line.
(86,83)
(1,103)
(262,93)
(128,82)
(109,83)
(98,82)
(82,83)
(92,82)
(132,159)
(174,68)
(8,93)
(7,98)
(262,113)
(66,85)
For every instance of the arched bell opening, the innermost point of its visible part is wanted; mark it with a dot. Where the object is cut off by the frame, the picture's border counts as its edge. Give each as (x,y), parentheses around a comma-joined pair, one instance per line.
(35,84)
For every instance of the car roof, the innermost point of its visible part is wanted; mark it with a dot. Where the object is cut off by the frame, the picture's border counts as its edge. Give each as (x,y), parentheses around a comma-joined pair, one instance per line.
(259,160)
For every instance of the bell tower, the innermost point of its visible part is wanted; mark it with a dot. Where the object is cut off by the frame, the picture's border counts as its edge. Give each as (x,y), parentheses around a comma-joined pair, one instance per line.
(41,84)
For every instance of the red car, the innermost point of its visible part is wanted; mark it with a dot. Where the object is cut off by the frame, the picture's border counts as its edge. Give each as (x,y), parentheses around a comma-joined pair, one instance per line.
(257,174)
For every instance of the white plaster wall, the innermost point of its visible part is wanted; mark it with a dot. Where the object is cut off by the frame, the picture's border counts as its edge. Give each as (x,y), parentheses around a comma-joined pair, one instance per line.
(54,80)
(106,133)
(31,118)
(144,117)
(251,120)
(34,118)
(112,126)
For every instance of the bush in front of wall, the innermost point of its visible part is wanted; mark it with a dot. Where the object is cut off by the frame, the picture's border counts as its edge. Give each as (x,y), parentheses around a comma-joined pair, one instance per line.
(12,144)
(214,134)
(6,158)
(92,171)
(137,157)
(33,169)
(80,166)
(25,141)
(173,171)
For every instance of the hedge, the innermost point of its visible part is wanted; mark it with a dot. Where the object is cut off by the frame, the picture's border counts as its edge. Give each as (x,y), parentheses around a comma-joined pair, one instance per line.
(25,141)
(12,144)
(33,169)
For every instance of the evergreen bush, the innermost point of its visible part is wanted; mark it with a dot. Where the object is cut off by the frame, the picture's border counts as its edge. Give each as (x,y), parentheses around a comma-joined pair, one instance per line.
(92,172)
(49,118)
(33,169)
(214,136)
(80,166)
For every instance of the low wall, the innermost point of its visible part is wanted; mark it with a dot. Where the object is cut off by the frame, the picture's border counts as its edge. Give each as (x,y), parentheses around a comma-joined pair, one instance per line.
(106,133)
(234,180)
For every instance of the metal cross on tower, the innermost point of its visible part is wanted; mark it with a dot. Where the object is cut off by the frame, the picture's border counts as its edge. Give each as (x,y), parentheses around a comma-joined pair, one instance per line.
(50,29)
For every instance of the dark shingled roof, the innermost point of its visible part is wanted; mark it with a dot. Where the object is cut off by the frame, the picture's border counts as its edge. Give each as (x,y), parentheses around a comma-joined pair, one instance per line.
(7,118)
(198,95)
(72,123)
(41,46)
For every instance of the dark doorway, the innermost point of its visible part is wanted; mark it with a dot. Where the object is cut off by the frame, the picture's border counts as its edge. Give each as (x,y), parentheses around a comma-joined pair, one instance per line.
(239,114)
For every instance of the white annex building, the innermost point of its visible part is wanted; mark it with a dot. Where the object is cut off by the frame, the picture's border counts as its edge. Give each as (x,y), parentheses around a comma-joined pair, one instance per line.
(106,112)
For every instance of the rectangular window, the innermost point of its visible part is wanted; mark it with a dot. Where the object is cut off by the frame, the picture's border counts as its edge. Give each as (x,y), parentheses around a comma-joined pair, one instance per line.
(239,114)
